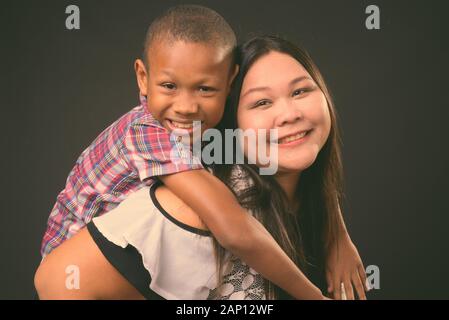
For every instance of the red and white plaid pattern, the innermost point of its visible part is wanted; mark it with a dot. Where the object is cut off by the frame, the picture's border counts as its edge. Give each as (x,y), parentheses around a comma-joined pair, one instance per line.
(126,156)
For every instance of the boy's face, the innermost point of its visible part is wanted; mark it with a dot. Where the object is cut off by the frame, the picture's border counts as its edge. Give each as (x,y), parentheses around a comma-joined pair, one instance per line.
(186,82)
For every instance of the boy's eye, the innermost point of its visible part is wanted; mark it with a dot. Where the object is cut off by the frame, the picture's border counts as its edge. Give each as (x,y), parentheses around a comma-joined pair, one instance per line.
(206,89)
(169,86)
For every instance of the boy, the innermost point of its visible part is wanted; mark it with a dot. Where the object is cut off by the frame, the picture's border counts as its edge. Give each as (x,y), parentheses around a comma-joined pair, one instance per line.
(185,76)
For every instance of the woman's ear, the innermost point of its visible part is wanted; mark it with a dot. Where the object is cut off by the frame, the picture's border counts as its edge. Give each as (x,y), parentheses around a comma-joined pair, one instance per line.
(141,76)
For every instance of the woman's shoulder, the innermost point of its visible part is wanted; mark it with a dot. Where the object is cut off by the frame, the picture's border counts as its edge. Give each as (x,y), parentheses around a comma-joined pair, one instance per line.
(177,208)
(148,209)
(134,202)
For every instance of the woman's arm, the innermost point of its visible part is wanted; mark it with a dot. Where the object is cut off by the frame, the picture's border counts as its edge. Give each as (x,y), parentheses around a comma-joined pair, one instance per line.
(238,231)
(344,265)
(98,279)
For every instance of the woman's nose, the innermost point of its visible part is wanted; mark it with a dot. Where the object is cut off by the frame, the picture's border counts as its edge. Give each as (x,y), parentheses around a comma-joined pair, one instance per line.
(287,113)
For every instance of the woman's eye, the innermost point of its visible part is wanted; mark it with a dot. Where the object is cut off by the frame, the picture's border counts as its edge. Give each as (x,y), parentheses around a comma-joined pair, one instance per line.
(298,92)
(169,86)
(261,103)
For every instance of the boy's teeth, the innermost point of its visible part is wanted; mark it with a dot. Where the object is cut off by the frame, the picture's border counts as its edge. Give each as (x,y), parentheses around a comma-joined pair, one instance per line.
(182,125)
(292,138)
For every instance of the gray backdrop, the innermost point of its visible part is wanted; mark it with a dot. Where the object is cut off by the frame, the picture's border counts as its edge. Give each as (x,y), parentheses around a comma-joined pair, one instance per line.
(61,88)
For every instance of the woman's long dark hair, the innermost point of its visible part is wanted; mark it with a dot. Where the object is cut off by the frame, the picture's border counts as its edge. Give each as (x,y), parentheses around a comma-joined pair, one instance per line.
(305,233)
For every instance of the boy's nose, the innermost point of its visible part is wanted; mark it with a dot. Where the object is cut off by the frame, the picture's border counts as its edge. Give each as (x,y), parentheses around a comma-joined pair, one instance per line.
(186,106)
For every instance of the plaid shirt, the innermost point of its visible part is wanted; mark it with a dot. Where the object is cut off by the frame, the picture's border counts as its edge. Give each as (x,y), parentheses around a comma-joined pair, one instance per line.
(127,155)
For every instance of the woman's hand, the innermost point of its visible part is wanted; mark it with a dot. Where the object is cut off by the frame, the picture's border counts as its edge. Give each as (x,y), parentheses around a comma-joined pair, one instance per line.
(344,266)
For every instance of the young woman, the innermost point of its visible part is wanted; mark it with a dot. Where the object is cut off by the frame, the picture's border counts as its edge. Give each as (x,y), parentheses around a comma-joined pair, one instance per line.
(279,87)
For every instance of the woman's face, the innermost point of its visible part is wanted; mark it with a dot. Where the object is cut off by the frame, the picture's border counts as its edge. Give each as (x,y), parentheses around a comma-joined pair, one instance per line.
(278,93)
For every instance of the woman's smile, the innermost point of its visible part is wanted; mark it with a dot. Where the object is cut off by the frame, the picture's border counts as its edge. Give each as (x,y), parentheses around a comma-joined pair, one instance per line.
(292,140)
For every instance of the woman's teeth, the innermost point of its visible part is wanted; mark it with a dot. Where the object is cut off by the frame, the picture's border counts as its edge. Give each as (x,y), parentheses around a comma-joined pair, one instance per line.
(293,138)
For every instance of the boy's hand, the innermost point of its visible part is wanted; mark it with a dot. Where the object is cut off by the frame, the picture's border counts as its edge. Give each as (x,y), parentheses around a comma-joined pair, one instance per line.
(344,266)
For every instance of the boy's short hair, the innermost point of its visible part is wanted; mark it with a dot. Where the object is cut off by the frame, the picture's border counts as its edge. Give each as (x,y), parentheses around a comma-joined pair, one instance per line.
(190,23)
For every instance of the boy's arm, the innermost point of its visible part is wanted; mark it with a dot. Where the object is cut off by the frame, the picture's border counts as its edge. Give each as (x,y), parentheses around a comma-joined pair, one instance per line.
(151,151)
(238,231)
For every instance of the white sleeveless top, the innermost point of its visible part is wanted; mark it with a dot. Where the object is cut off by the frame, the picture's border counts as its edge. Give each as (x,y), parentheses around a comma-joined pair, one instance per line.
(180,258)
